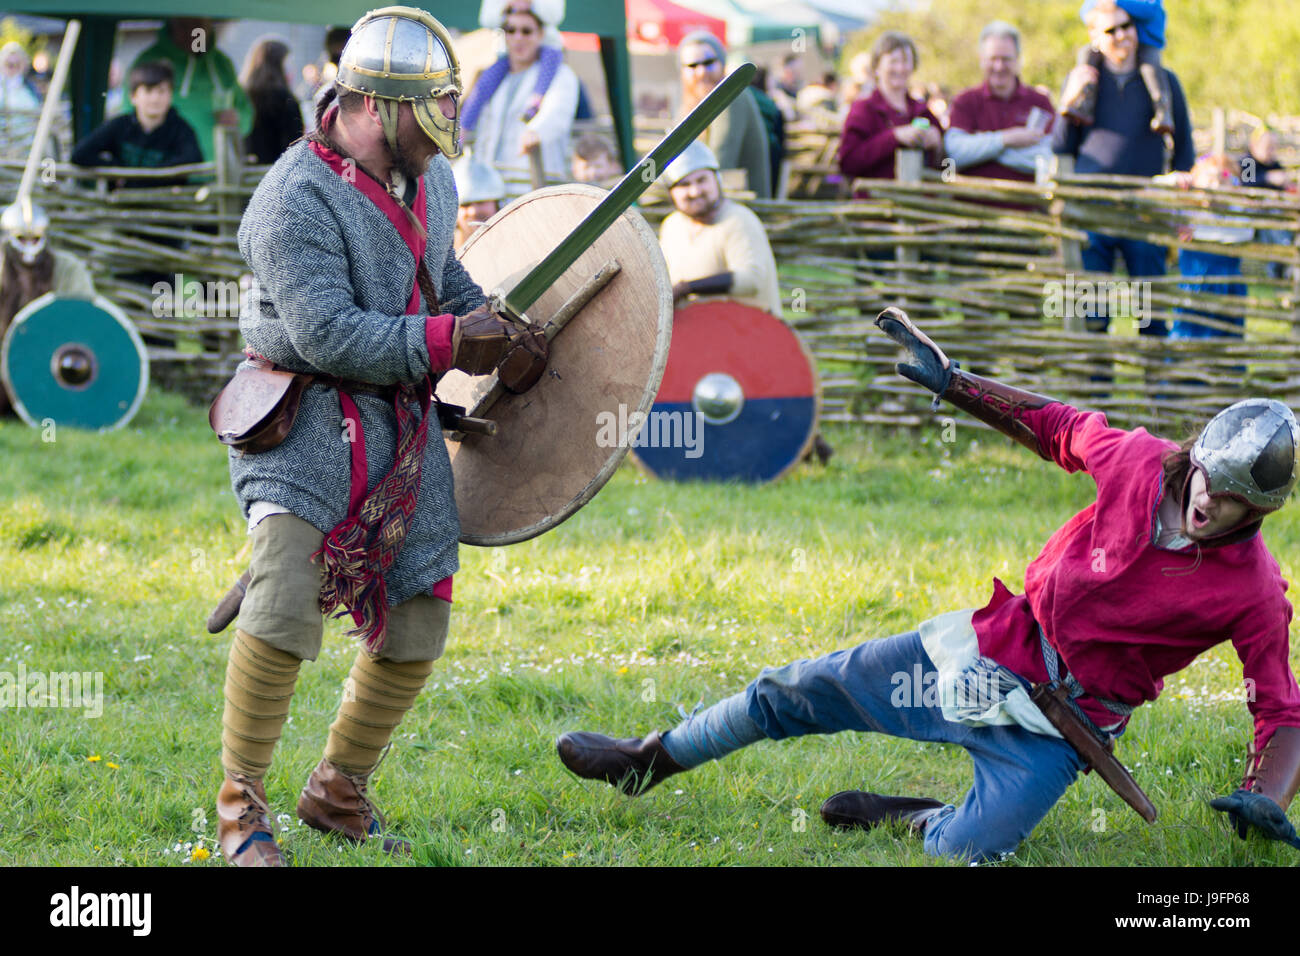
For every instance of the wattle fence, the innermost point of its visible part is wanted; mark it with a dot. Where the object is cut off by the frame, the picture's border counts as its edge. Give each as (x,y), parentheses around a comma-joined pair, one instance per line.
(990,268)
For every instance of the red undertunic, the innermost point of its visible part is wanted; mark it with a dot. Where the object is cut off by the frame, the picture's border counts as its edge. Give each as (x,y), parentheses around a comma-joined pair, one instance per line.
(1123,613)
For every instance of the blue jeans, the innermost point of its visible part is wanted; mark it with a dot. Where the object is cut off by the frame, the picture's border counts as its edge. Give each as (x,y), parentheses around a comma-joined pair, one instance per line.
(1019,775)
(1274,237)
(1140,259)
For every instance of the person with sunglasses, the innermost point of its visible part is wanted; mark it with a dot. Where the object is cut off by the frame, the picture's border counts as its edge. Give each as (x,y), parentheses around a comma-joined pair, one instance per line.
(739,136)
(527,98)
(1120,140)
(1147,19)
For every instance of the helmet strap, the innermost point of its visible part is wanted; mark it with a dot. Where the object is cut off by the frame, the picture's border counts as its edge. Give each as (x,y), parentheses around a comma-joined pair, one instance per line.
(389,110)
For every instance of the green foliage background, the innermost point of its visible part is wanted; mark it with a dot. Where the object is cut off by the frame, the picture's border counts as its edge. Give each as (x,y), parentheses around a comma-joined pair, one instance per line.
(1235,54)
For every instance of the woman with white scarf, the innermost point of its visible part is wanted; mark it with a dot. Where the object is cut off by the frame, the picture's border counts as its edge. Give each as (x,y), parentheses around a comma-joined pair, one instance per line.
(527,98)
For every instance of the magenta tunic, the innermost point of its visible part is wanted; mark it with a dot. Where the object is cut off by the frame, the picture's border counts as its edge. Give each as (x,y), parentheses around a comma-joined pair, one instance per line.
(1123,613)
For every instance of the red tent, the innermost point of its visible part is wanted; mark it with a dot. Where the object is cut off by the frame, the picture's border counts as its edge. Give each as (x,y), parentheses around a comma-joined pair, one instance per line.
(663,23)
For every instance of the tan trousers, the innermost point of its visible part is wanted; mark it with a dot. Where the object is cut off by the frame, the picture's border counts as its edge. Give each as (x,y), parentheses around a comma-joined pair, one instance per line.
(281,606)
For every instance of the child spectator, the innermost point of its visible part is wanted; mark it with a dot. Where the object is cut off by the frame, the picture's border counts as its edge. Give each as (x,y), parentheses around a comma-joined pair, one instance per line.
(1260,168)
(152,136)
(595,160)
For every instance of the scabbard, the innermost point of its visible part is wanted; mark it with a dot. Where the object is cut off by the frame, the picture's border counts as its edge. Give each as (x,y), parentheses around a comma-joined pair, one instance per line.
(1051,700)
(228,608)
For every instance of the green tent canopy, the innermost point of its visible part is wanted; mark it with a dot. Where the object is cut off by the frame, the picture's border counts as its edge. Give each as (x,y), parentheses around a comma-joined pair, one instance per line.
(99,18)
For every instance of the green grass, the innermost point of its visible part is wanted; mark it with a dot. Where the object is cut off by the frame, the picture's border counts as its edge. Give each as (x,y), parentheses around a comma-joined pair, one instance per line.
(114,548)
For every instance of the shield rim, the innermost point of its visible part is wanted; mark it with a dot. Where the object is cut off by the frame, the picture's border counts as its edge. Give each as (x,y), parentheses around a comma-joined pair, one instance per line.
(104,305)
(817,398)
(662,340)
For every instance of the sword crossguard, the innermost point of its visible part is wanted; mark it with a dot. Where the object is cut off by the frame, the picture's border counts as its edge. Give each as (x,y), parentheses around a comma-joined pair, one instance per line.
(500,305)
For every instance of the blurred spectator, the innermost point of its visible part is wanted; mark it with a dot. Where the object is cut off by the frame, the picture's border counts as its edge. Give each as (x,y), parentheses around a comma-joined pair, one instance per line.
(207,92)
(480,191)
(19,102)
(786,86)
(738,137)
(151,136)
(1206,270)
(1120,140)
(999,129)
(889,118)
(527,98)
(1260,168)
(114,100)
(936,100)
(774,123)
(29,268)
(820,97)
(1148,19)
(277,114)
(713,245)
(860,84)
(595,160)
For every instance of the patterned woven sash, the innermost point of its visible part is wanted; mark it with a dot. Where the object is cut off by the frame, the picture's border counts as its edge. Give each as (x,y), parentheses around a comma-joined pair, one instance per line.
(360,549)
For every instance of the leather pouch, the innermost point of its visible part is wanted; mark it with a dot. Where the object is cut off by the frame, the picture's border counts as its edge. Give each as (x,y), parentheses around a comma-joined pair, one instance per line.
(256,410)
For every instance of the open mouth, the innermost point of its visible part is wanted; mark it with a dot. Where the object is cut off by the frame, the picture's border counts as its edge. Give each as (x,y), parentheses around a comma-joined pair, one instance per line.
(1199,519)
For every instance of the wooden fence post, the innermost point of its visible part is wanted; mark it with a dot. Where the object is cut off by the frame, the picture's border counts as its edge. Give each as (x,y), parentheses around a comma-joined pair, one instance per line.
(1071,250)
(908,164)
(228,170)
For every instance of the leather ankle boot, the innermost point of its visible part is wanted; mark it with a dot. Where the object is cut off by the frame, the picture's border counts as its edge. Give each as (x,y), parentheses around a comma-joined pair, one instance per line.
(859,809)
(244,823)
(336,802)
(632,764)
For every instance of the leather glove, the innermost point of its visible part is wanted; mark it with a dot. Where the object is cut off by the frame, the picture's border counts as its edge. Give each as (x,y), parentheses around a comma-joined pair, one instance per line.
(1246,809)
(486,342)
(929,367)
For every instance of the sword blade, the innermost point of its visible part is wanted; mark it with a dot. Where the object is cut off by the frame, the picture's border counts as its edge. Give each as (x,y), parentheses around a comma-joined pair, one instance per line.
(621,197)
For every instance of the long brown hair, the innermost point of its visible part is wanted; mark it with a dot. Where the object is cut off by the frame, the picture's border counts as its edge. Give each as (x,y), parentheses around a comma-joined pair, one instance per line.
(263,73)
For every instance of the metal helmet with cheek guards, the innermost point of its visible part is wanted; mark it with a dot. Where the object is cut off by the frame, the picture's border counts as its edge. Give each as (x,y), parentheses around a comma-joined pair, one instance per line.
(477,182)
(24,225)
(403,55)
(1248,451)
(692,159)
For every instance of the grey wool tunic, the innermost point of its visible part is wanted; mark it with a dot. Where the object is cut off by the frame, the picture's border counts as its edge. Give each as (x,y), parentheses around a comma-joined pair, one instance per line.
(333,278)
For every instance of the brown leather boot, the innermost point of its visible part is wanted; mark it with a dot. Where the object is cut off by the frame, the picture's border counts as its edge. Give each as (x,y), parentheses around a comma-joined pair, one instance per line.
(632,764)
(859,809)
(335,802)
(244,823)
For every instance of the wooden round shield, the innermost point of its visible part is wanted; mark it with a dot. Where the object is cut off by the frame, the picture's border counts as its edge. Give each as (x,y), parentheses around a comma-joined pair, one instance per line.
(739,399)
(557,444)
(74,362)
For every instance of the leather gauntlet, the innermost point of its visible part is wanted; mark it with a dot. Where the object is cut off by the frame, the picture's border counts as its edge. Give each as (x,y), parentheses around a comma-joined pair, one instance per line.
(483,342)
(996,404)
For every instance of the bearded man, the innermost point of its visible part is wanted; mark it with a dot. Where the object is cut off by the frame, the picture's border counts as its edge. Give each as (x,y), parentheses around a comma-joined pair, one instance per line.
(712,244)
(349,237)
(29,268)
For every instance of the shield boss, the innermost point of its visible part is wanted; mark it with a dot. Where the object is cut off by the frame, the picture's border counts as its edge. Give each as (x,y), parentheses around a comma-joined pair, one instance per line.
(557,444)
(739,399)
